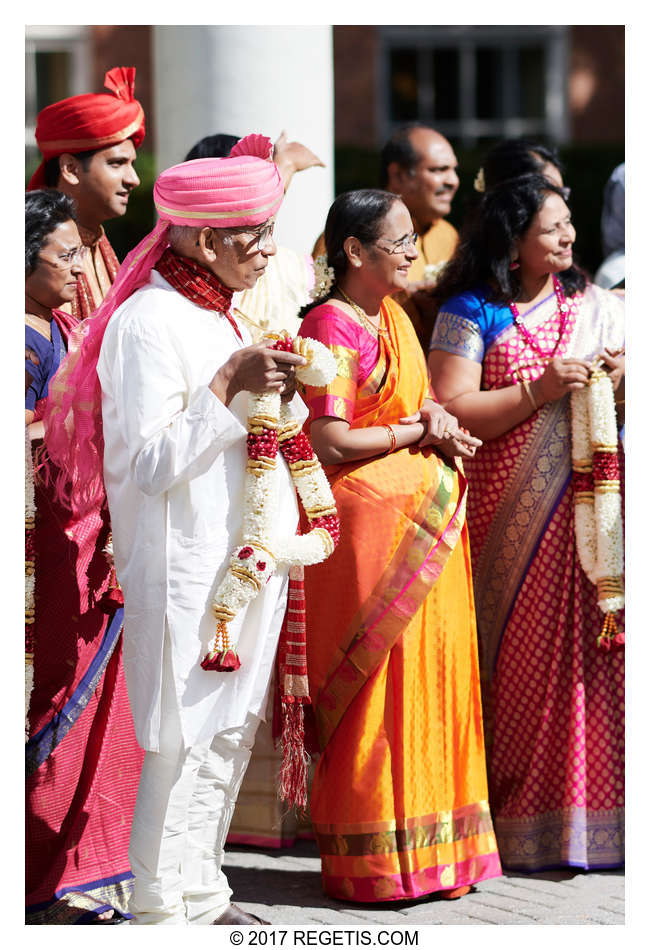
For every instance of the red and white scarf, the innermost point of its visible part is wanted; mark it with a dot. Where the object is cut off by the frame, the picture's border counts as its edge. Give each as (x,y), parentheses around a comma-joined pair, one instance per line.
(197,284)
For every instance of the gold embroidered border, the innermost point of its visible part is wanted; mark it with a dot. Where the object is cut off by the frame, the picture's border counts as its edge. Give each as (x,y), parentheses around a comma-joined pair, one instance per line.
(208,215)
(517,524)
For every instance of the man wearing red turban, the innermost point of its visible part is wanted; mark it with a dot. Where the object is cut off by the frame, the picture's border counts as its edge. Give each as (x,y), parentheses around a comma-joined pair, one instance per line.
(89,144)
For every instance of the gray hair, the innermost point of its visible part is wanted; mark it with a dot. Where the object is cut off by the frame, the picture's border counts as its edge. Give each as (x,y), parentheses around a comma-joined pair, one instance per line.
(183,236)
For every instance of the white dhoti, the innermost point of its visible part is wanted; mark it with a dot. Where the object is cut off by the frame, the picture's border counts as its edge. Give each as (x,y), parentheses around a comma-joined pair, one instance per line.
(185,803)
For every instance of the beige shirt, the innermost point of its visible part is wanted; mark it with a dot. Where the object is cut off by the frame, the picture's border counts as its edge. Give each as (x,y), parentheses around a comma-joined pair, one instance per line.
(435,246)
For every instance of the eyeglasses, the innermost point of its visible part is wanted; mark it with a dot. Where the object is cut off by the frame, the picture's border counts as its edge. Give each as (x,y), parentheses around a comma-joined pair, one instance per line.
(67,259)
(401,246)
(263,233)
(565,191)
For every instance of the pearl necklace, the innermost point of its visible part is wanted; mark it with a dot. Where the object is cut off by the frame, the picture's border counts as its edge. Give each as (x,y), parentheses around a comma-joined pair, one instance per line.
(565,311)
(363,316)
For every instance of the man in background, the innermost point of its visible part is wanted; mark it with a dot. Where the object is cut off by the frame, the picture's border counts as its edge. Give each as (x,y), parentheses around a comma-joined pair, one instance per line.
(419,164)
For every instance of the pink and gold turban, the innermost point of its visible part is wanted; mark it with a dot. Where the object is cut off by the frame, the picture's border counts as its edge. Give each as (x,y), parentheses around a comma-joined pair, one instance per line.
(244,189)
(222,192)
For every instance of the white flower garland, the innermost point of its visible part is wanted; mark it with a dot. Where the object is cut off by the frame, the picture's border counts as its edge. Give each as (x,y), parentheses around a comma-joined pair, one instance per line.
(598,511)
(271,425)
(30,522)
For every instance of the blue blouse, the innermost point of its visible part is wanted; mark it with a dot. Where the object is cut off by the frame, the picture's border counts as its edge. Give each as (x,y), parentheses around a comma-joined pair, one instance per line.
(468,324)
(50,353)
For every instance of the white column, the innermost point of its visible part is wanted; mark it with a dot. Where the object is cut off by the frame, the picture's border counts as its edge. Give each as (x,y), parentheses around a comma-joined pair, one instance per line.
(241,79)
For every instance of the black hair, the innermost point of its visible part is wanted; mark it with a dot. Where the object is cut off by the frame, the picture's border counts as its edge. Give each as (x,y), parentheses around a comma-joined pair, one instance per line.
(52,169)
(483,256)
(45,210)
(212,146)
(399,148)
(514,157)
(356,214)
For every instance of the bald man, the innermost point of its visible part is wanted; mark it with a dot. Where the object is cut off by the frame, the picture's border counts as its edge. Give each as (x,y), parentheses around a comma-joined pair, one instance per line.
(419,164)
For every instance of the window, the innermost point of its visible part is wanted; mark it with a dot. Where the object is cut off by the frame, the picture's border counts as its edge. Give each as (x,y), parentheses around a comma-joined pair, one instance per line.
(476,82)
(53,74)
(56,66)
(404,83)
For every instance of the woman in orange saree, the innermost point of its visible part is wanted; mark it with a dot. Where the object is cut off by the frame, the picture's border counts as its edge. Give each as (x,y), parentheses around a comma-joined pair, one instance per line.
(399,798)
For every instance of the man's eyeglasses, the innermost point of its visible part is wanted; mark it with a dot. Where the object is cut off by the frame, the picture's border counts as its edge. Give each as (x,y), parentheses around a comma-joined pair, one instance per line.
(263,234)
(67,259)
(401,246)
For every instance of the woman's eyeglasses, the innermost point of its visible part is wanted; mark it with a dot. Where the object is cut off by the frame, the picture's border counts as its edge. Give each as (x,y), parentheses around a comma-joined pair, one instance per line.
(67,258)
(400,246)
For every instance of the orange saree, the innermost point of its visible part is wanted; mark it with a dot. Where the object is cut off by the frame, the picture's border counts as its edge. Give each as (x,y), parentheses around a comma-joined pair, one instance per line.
(399,798)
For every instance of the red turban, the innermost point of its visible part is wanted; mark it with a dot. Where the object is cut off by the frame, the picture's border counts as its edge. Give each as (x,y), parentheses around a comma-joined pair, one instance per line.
(91,121)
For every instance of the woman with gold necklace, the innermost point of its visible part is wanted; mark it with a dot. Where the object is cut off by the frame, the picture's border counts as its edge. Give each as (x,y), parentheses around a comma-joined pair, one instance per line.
(399,797)
(521,330)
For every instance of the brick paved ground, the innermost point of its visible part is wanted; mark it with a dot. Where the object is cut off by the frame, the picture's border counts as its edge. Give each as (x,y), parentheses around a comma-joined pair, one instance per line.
(283,887)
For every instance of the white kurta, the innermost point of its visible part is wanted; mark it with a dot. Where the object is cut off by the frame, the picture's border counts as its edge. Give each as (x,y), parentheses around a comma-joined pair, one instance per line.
(174,465)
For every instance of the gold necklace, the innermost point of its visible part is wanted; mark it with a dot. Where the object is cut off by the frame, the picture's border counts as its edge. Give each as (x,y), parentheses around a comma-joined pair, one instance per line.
(363,316)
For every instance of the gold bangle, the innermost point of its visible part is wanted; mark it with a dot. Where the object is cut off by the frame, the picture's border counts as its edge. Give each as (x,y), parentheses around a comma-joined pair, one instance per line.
(393,440)
(529,392)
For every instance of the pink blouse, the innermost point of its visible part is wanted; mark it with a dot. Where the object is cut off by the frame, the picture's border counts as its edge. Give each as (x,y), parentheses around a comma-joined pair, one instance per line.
(357,355)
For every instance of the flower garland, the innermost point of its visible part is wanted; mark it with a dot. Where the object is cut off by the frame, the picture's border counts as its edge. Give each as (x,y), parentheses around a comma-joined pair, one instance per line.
(272,427)
(598,513)
(30,579)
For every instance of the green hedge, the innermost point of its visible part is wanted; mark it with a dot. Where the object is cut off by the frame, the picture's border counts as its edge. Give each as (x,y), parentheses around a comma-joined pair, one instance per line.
(587,168)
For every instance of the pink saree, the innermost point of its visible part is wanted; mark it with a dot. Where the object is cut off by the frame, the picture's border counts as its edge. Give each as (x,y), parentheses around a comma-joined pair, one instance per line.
(553,703)
(82,760)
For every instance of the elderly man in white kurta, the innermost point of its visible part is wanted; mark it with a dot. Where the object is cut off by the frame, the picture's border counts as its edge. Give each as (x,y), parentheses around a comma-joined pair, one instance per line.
(174,369)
